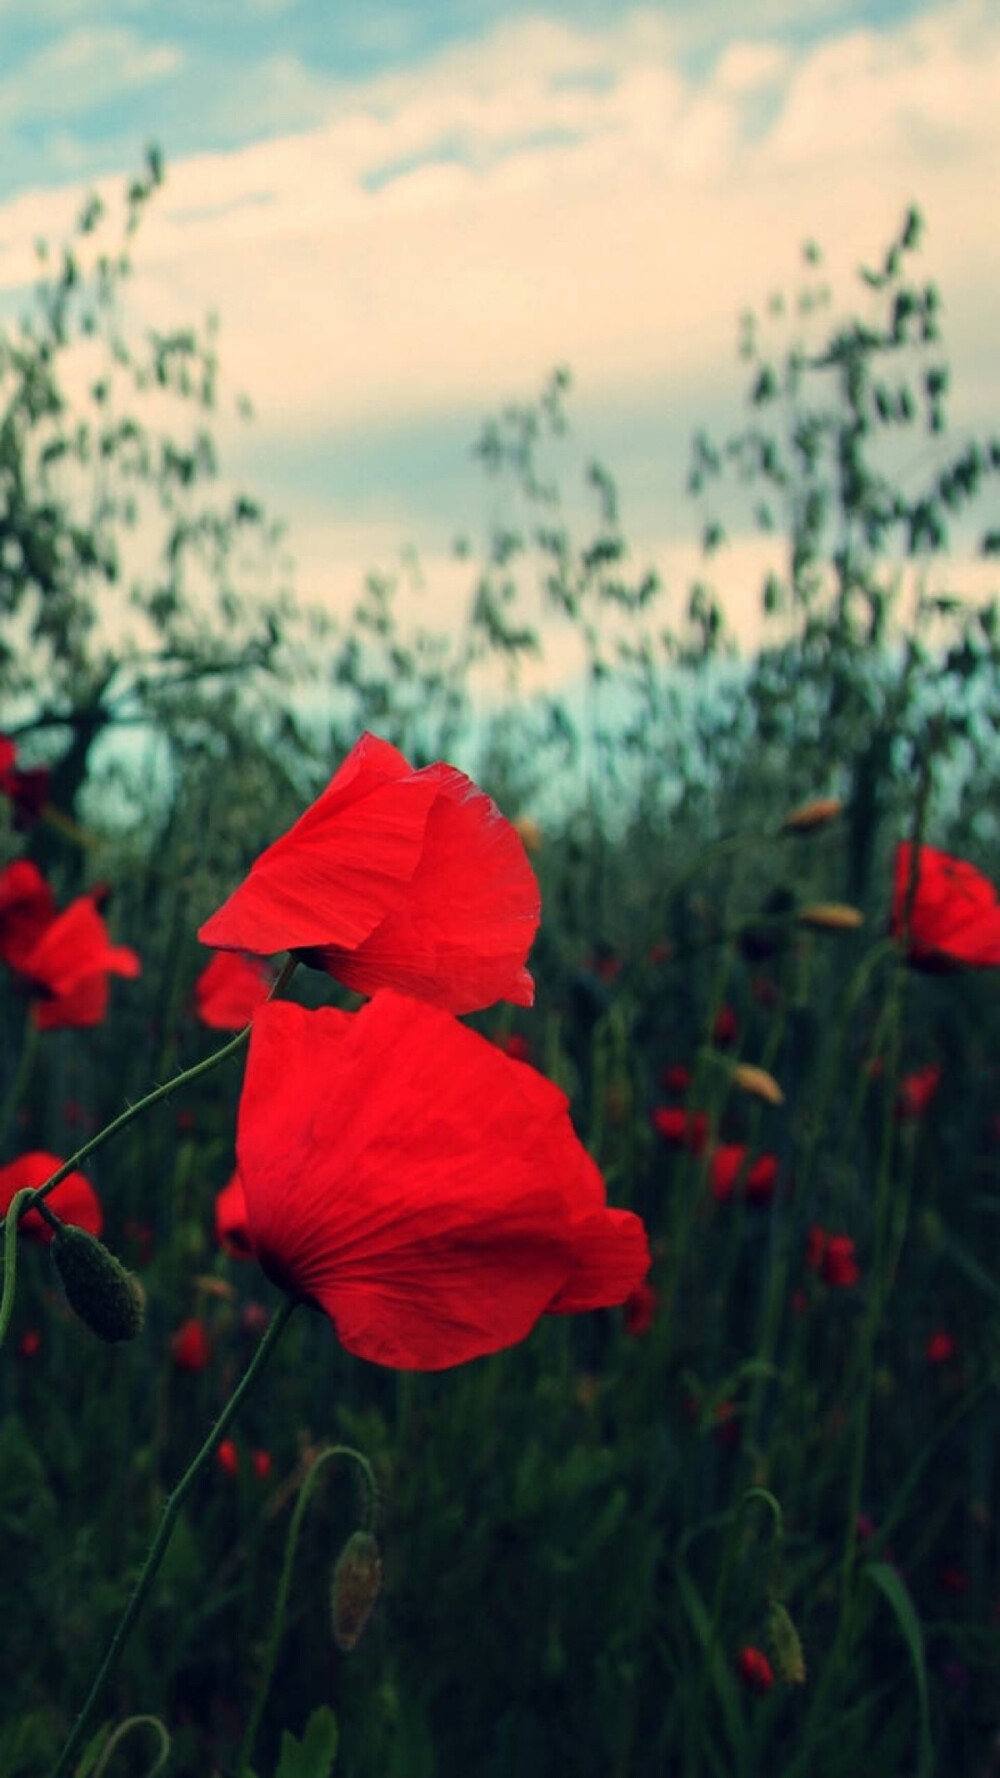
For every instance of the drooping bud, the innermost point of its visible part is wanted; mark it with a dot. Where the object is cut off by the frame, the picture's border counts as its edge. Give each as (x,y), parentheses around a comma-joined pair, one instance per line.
(815,813)
(831,916)
(786,1647)
(758,1082)
(357,1578)
(106,1297)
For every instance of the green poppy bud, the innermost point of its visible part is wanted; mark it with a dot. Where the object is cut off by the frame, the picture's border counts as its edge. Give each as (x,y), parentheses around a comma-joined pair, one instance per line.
(109,1299)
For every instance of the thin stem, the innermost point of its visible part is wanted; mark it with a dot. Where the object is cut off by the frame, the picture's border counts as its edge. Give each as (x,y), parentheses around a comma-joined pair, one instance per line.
(164,1531)
(21,1078)
(18,1203)
(285,1583)
(158,1093)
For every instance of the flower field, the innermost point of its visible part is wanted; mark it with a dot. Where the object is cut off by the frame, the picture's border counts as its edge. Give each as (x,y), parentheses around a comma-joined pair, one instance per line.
(501,1284)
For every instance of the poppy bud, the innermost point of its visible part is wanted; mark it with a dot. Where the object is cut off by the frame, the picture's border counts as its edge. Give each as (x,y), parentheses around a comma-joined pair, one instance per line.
(815,813)
(831,916)
(786,1648)
(759,1082)
(357,1578)
(109,1299)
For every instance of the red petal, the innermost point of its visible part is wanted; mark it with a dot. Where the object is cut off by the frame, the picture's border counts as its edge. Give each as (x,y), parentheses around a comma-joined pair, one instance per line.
(229,990)
(428,1192)
(74,1199)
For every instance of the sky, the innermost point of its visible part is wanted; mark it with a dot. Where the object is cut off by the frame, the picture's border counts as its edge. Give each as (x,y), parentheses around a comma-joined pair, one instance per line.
(405,216)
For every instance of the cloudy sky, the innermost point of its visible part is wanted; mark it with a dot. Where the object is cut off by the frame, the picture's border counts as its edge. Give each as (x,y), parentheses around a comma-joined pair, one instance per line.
(406,215)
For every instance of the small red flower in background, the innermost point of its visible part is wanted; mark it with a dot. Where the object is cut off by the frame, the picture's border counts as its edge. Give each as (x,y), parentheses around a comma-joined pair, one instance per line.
(228,1457)
(726,1027)
(74,1200)
(394,877)
(955,915)
(833,1257)
(71,962)
(640,1310)
(916,1091)
(27,907)
(231,1230)
(190,1348)
(726,1166)
(681,1128)
(429,1194)
(262,1464)
(755,1669)
(515,1046)
(28,790)
(30,1343)
(676,1078)
(941,1346)
(229,990)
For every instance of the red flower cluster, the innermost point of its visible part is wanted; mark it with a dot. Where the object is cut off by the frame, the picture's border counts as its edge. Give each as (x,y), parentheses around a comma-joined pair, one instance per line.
(728,1169)
(426,1191)
(955,914)
(833,1257)
(74,1200)
(395,877)
(66,957)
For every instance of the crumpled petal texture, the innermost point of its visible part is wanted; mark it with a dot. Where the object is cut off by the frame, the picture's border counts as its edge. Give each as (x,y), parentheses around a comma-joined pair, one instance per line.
(422,1188)
(395,878)
(955,915)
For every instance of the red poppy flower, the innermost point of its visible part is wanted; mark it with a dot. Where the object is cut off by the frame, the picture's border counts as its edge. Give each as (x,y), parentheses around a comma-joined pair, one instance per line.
(833,1257)
(683,1129)
(190,1347)
(231,1230)
(941,1346)
(676,1077)
(640,1310)
(395,878)
(728,1166)
(28,790)
(229,990)
(71,962)
(227,1457)
(916,1091)
(755,1669)
(262,1464)
(955,915)
(74,1200)
(422,1188)
(27,907)
(726,1028)
(30,1343)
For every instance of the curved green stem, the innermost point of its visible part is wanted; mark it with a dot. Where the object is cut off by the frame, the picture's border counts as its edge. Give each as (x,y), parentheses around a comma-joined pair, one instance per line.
(164,1531)
(131,1112)
(18,1203)
(285,1583)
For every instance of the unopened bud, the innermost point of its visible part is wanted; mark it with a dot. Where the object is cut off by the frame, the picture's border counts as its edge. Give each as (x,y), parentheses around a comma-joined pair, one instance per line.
(759,1082)
(106,1297)
(831,916)
(789,1662)
(357,1578)
(815,813)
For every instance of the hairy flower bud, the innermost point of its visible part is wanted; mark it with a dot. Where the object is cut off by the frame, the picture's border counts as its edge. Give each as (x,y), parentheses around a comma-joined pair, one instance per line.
(786,1648)
(109,1299)
(357,1578)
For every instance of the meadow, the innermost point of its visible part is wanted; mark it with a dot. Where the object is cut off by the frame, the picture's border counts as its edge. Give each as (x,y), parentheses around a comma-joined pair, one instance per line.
(739,1517)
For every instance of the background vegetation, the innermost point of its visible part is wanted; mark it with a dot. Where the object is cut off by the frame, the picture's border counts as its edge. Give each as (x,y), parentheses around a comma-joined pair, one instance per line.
(582,1536)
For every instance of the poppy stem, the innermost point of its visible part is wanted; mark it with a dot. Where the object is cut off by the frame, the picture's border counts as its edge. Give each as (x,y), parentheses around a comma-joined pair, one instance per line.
(163,1534)
(33,1200)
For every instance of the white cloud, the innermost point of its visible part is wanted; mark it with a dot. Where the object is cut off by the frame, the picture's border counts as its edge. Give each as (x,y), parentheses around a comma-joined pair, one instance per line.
(438,237)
